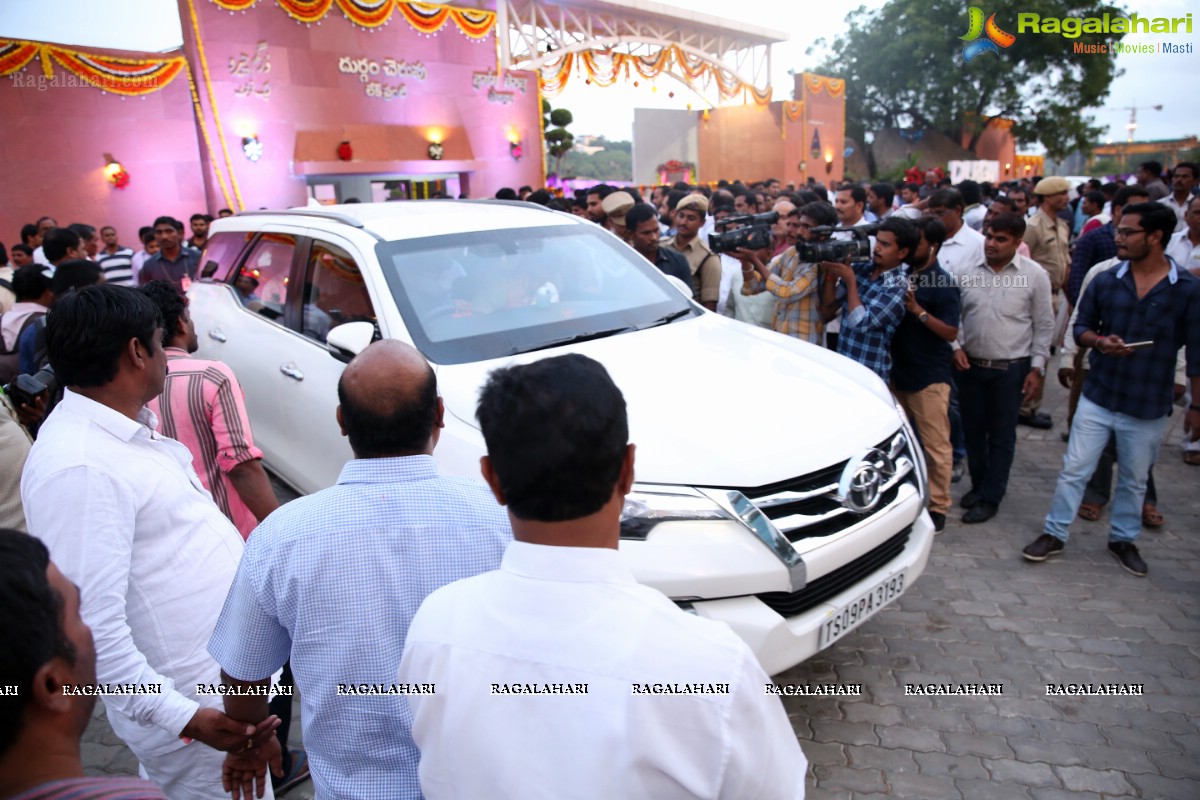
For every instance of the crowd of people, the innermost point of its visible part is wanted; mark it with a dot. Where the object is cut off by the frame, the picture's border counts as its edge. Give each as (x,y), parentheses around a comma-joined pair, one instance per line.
(960,299)
(448,636)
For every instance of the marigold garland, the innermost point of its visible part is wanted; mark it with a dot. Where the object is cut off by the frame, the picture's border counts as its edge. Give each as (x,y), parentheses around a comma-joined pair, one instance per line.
(15,55)
(212,104)
(819,83)
(132,77)
(427,18)
(604,68)
(212,156)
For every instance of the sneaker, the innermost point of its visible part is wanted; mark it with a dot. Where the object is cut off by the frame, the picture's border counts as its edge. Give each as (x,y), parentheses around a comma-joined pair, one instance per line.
(1127,554)
(957,471)
(939,521)
(1043,547)
(295,776)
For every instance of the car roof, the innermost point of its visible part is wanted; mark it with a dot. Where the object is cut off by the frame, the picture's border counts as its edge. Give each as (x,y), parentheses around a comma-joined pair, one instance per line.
(410,220)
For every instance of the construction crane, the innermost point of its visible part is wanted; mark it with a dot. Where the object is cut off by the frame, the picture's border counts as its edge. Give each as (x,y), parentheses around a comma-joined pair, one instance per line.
(1132,125)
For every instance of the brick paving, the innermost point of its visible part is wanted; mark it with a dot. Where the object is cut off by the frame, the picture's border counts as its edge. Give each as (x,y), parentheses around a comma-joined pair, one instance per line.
(980,614)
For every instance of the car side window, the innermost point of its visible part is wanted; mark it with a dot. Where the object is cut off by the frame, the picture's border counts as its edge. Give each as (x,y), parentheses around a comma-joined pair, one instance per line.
(262,282)
(334,291)
(220,254)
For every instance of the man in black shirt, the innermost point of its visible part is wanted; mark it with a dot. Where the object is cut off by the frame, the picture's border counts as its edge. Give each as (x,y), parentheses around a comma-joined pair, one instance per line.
(642,223)
(922,359)
(172,262)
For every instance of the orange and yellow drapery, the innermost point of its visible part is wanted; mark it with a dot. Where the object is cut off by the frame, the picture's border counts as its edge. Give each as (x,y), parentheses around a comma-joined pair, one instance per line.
(427,18)
(604,68)
(132,77)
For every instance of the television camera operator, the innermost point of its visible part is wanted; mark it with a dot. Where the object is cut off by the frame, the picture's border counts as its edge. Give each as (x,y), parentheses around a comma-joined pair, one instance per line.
(869,294)
(791,277)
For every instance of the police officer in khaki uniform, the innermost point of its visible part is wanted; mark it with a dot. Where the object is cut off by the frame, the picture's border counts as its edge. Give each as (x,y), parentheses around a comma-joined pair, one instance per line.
(705,266)
(1048,238)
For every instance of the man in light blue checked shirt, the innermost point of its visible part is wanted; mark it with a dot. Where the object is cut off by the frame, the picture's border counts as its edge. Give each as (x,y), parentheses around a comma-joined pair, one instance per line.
(333,580)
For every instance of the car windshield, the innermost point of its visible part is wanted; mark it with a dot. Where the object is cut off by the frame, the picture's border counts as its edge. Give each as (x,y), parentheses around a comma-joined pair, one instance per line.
(488,294)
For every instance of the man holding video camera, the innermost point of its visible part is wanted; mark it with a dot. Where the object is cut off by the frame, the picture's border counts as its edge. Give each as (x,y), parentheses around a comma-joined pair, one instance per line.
(871,295)
(791,277)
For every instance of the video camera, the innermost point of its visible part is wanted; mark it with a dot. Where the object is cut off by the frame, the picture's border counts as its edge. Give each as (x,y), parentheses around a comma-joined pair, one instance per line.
(754,236)
(857,248)
(25,389)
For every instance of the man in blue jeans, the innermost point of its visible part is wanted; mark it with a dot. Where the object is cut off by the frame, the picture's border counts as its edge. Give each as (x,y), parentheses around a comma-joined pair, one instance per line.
(1129,389)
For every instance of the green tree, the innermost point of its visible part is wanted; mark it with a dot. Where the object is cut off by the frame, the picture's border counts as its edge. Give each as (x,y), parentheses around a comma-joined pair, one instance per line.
(904,66)
(559,140)
(610,164)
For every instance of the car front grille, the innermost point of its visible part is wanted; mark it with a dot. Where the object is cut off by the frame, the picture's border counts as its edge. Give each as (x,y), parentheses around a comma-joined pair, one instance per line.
(789,604)
(809,506)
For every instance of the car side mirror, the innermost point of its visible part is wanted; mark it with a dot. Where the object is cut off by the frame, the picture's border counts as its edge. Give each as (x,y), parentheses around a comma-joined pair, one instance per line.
(349,339)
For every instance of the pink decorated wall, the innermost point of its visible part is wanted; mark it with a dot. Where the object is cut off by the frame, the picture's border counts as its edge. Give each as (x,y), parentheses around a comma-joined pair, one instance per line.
(56,132)
(390,91)
(300,88)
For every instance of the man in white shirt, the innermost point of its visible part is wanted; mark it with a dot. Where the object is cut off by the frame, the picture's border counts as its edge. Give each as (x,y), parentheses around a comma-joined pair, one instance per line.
(126,518)
(1183,180)
(963,248)
(44,224)
(1185,244)
(634,697)
(149,247)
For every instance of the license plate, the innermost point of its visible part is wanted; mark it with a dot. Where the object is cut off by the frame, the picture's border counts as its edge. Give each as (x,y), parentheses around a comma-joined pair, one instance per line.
(860,609)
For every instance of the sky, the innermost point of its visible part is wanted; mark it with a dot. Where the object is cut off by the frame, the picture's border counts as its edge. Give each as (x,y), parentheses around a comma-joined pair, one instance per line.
(1148,80)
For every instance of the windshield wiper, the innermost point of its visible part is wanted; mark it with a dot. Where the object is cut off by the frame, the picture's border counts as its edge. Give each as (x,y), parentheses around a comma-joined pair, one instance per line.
(666,320)
(577,338)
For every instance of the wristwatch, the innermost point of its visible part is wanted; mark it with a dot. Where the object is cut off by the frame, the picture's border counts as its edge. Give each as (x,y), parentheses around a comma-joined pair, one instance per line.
(924,316)
(1040,371)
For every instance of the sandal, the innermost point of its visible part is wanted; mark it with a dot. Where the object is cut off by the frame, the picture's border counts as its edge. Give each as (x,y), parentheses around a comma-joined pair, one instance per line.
(1151,518)
(1091,511)
(293,777)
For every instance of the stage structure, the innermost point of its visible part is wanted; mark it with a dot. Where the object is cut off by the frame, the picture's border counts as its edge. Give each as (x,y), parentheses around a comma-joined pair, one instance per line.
(603,41)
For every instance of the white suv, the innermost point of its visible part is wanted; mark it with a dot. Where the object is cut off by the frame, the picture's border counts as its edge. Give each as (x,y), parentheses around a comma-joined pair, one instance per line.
(780,488)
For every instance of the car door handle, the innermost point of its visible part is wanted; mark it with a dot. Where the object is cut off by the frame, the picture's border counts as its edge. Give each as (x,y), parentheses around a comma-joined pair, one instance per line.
(290,370)
(217,335)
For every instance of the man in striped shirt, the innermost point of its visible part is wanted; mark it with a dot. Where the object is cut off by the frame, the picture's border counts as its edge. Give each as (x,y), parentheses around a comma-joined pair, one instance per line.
(202,407)
(116,261)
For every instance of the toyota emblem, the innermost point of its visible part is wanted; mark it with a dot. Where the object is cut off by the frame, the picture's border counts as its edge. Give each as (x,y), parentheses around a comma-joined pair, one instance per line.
(860,488)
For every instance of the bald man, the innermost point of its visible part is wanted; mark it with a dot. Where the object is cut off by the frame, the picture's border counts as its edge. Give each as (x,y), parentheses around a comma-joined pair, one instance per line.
(333,580)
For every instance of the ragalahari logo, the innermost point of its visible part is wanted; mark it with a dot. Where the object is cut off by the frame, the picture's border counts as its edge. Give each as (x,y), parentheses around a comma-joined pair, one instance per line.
(995,40)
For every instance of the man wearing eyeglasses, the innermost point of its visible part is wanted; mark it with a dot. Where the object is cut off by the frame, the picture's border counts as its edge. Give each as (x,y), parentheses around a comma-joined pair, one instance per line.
(1136,316)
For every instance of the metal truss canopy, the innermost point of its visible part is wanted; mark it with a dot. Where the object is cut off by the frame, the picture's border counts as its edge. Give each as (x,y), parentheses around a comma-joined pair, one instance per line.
(536,33)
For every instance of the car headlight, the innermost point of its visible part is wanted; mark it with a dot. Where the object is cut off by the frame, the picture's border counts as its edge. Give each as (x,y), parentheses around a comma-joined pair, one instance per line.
(915,452)
(647,506)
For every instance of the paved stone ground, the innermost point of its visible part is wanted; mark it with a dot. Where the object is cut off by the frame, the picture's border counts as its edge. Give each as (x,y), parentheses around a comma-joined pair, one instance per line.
(980,614)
